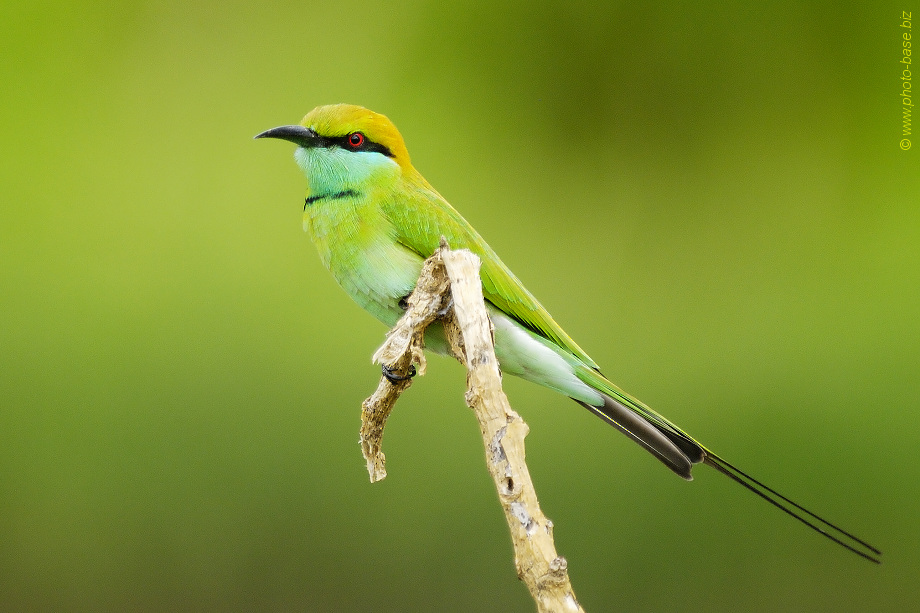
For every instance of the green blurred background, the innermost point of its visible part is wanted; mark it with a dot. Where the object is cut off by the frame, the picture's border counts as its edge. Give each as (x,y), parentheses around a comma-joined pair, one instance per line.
(710,198)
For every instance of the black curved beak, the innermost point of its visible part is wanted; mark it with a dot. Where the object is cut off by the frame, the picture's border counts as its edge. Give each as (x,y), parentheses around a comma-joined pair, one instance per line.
(299,135)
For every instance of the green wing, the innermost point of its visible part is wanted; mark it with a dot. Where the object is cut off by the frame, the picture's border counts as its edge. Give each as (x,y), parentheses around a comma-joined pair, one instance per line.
(419,223)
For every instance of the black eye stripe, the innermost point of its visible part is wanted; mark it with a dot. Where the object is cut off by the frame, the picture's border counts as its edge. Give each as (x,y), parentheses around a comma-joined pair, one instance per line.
(344,143)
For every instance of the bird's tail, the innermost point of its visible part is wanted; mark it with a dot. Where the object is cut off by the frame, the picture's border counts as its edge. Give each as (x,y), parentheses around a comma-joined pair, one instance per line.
(671,445)
(679,452)
(676,452)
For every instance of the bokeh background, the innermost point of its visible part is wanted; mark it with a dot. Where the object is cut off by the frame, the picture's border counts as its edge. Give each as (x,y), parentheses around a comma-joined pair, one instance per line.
(709,197)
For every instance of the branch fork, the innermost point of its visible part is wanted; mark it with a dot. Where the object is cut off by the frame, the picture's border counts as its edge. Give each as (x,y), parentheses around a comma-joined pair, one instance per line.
(449,290)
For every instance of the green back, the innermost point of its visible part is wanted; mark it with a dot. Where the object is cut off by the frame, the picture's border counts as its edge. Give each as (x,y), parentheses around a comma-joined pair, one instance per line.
(421,218)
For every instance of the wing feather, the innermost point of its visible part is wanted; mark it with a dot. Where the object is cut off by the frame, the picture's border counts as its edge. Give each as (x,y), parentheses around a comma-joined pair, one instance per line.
(420,219)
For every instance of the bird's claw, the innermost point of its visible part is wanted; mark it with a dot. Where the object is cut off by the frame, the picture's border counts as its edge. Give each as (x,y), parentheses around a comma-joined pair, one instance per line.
(393,378)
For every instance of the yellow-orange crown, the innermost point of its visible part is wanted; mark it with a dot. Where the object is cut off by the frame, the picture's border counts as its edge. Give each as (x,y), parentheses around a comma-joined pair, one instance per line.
(334,120)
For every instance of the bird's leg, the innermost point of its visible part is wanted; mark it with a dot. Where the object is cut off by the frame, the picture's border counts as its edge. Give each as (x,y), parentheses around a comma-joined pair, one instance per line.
(393,378)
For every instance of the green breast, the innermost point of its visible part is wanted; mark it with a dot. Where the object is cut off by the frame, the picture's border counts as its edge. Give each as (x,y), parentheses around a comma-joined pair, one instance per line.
(358,246)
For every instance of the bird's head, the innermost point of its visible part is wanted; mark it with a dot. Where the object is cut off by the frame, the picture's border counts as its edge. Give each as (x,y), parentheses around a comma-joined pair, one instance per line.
(345,148)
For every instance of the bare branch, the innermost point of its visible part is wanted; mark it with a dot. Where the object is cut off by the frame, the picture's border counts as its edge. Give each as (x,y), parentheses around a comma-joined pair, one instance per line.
(469,331)
(404,345)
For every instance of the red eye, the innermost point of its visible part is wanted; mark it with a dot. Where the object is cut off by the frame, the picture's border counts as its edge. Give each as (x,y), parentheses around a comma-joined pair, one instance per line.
(355,139)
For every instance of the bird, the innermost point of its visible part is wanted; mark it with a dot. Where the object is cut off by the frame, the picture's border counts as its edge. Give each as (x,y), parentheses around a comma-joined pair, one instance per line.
(374,220)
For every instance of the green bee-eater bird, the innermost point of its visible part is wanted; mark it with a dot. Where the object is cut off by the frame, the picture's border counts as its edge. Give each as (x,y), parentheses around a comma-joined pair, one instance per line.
(375,219)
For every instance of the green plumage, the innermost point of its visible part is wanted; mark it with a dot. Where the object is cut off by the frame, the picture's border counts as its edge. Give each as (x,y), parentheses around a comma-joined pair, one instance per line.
(422,217)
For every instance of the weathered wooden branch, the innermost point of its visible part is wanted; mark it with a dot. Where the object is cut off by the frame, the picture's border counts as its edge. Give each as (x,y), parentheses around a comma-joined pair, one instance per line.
(404,345)
(449,289)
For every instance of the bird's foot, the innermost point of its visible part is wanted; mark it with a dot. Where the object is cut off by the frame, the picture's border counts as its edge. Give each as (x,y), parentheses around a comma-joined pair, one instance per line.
(393,378)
